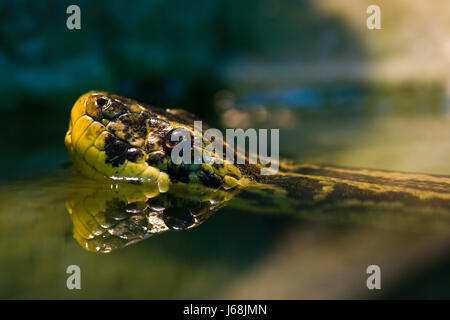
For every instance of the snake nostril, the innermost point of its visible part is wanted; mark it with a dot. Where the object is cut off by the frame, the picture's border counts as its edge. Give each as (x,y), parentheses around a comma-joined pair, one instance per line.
(101,102)
(111,109)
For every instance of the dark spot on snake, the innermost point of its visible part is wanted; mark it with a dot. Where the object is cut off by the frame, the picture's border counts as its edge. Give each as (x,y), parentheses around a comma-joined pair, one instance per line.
(168,143)
(160,124)
(168,140)
(115,210)
(145,115)
(133,154)
(155,157)
(127,134)
(152,141)
(209,180)
(178,173)
(115,150)
(178,218)
(135,207)
(135,125)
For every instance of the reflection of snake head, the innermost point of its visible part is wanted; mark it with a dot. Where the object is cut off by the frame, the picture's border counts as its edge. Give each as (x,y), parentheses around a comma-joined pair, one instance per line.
(106,217)
(115,137)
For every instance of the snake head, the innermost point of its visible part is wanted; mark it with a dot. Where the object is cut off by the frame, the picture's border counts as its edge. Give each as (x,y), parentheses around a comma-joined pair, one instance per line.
(117,138)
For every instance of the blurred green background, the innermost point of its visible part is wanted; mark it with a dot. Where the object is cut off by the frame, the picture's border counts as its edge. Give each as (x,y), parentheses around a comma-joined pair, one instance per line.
(340,93)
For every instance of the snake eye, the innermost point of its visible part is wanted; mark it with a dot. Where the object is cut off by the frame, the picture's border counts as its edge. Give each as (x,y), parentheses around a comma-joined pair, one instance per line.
(156,156)
(174,137)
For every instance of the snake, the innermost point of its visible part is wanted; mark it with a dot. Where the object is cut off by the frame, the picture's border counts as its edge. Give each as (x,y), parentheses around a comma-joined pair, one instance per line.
(120,141)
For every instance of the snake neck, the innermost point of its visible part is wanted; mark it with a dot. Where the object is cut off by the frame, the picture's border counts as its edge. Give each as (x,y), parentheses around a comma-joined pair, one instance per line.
(313,184)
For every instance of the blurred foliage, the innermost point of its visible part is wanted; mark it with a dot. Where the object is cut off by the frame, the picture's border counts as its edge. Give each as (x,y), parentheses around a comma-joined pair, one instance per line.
(170,54)
(161,52)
